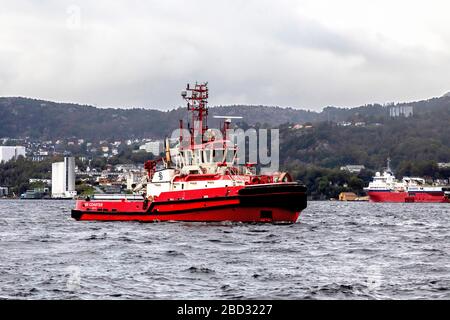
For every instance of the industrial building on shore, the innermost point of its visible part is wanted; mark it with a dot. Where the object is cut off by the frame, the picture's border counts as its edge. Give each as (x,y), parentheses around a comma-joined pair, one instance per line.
(63,179)
(3,192)
(11,152)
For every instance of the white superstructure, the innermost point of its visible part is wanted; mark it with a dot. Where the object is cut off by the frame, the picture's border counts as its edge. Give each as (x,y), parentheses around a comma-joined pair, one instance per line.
(413,184)
(63,178)
(216,159)
(383,182)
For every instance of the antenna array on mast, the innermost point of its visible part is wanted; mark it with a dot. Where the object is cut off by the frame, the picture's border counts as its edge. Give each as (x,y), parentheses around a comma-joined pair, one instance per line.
(197,103)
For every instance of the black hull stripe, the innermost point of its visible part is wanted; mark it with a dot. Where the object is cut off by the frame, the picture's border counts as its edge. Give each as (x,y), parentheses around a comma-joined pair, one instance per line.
(298,195)
(253,198)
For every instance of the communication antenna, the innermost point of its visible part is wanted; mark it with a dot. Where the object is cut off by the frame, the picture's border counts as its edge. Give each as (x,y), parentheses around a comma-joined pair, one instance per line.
(388,169)
(196,97)
(227,118)
(226,124)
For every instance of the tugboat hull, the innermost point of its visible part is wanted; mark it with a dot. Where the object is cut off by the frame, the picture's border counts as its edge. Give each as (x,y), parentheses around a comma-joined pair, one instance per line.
(281,203)
(233,214)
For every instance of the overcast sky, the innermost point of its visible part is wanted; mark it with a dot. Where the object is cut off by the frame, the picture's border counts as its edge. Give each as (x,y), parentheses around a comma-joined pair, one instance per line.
(306,54)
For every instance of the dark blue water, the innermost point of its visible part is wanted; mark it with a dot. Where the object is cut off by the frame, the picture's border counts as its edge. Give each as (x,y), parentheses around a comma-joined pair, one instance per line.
(335,251)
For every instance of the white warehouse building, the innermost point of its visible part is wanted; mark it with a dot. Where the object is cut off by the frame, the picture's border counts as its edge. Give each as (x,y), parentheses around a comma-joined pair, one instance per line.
(154,147)
(11,152)
(63,178)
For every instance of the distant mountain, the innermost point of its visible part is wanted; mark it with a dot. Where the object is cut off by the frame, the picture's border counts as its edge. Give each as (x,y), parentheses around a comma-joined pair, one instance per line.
(25,117)
(418,140)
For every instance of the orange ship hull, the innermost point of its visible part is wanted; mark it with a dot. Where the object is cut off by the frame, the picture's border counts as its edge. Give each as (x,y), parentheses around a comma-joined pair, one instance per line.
(419,197)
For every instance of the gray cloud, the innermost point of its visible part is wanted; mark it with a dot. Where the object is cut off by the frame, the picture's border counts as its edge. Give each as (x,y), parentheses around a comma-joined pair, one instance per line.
(141,53)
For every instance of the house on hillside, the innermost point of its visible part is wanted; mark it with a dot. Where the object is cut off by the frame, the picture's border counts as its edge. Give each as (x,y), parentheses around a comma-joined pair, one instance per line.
(353,168)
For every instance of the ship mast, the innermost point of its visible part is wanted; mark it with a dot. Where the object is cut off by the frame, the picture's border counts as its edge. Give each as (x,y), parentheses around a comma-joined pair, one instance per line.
(388,169)
(197,103)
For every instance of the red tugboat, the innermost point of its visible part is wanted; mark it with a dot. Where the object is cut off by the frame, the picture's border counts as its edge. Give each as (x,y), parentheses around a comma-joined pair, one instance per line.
(200,180)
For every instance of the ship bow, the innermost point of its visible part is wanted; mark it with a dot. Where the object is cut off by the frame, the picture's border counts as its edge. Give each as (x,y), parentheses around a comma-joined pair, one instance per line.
(291,196)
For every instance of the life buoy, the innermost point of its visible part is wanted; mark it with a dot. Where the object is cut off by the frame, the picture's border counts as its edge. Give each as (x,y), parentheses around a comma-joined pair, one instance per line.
(285,177)
(256,180)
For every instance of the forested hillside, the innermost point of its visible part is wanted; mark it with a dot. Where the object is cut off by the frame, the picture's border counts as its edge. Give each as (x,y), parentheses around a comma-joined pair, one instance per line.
(313,144)
(23,117)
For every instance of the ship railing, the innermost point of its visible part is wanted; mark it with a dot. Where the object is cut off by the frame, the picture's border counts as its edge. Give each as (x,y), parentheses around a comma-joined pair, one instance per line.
(237,177)
(119,196)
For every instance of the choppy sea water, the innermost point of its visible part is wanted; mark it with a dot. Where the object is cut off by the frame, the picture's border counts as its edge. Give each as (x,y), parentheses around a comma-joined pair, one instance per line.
(335,251)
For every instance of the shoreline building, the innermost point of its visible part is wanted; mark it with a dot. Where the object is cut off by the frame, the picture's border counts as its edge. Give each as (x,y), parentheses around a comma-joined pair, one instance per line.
(63,179)
(352,168)
(11,152)
(154,147)
(3,191)
(401,111)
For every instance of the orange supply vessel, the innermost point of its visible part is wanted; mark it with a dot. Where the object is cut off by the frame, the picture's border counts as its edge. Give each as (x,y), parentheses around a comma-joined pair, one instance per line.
(386,188)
